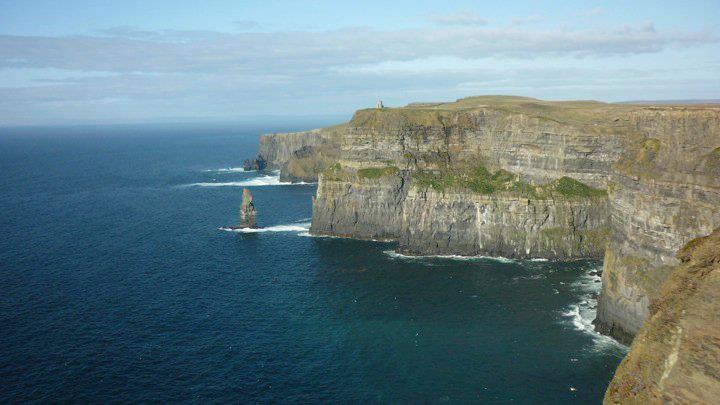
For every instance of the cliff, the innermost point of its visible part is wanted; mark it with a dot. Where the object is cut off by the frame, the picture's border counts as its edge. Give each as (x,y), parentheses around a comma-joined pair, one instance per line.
(676,356)
(300,156)
(525,178)
(520,177)
(474,177)
(663,191)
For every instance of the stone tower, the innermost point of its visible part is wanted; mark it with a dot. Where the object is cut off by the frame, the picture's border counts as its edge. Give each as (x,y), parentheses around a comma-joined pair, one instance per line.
(247,211)
(379,105)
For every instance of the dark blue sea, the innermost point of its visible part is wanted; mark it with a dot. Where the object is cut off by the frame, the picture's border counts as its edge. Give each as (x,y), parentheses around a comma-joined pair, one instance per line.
(117,286)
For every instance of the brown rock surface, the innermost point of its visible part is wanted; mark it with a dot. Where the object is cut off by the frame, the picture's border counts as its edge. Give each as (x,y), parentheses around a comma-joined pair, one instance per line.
(675,358)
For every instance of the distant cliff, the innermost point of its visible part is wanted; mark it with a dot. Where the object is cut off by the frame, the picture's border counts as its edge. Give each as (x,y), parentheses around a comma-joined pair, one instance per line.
(300,156)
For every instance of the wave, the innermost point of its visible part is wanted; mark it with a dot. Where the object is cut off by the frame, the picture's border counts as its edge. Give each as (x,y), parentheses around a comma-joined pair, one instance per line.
(582,313)
(395,255)
(297,227)
(229,170)
(266,180)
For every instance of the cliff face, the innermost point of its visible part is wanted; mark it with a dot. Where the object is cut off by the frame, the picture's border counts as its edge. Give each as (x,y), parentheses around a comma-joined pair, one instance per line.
(357,207)
(664,190)
(436,203)
(413,174)
(676,356)
(301,156)
(502,224)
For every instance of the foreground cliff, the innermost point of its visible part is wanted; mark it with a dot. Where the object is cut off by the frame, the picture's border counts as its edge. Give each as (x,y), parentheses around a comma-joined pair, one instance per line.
(676,356)
(663,191)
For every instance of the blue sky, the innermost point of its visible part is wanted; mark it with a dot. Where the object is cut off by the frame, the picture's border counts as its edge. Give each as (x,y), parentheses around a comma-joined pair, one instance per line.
(112,61)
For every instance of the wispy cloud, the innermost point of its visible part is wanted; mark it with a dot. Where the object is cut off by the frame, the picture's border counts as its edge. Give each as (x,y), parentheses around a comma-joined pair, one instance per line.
(466,18)
(139,73)
(595,11)
(528,19)
(127,50)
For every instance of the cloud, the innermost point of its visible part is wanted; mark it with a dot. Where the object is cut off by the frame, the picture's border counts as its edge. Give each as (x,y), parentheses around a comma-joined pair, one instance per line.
(467,18)
(126,72)
(595,11)
(528,19)
(127,50)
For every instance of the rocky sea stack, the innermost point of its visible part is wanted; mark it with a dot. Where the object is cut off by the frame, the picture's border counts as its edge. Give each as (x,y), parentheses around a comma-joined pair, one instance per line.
(248,215)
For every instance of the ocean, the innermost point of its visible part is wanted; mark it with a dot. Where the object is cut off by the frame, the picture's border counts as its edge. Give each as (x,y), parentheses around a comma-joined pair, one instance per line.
(118,286)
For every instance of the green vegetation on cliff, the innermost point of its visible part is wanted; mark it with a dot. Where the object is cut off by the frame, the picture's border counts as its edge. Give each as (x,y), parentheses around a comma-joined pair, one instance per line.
(377,172)
(480,180)
(572,188)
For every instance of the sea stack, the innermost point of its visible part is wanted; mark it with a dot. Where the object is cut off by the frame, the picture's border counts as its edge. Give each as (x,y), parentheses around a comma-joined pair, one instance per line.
(247,211)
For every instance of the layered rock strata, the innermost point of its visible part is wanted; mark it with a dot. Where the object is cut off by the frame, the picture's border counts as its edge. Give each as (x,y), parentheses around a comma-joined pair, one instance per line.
(660,166)
(675,358)
(537,142)
(300,156)
(663,191)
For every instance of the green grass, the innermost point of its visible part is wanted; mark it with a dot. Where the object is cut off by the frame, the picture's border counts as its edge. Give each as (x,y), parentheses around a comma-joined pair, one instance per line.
(480,180)
(376,173)
(572,188)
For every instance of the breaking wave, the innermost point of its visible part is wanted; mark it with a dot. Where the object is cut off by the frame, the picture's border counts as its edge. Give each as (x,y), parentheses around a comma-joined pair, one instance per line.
(296,227)
(395,255)
(267,180)
(582,313)
(229,170)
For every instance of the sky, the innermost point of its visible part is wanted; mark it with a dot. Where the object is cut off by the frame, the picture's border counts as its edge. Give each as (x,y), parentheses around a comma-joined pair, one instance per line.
(155,61)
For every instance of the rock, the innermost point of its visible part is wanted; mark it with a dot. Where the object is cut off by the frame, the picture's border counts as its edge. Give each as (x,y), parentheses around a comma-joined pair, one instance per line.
(518,135)
(299,156)
(257,163)
(663,191)
(660,166)
(247,211)
(675,358)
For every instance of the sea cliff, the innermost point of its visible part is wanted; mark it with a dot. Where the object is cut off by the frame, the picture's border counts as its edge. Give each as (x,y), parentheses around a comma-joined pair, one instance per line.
(663,191)
(675,358)
(521,178)
(475,177)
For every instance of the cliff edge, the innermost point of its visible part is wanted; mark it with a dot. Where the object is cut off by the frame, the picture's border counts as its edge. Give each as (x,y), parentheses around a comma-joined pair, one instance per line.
(675,358)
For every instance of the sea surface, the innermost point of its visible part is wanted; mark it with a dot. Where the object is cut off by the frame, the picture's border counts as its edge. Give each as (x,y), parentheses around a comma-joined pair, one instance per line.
(117,286)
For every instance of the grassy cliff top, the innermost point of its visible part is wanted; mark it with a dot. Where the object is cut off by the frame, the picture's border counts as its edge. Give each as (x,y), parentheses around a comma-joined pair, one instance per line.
(580,113)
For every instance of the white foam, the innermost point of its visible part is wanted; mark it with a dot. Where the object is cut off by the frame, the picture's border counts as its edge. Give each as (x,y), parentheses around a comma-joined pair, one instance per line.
(266,180)
(396,255)
(309,235)
(229,170)
(582,313)
(298,227)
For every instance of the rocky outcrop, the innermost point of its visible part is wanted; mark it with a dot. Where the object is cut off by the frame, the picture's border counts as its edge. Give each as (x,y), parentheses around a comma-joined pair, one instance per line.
(248,215)
(663,191)
(675,358)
